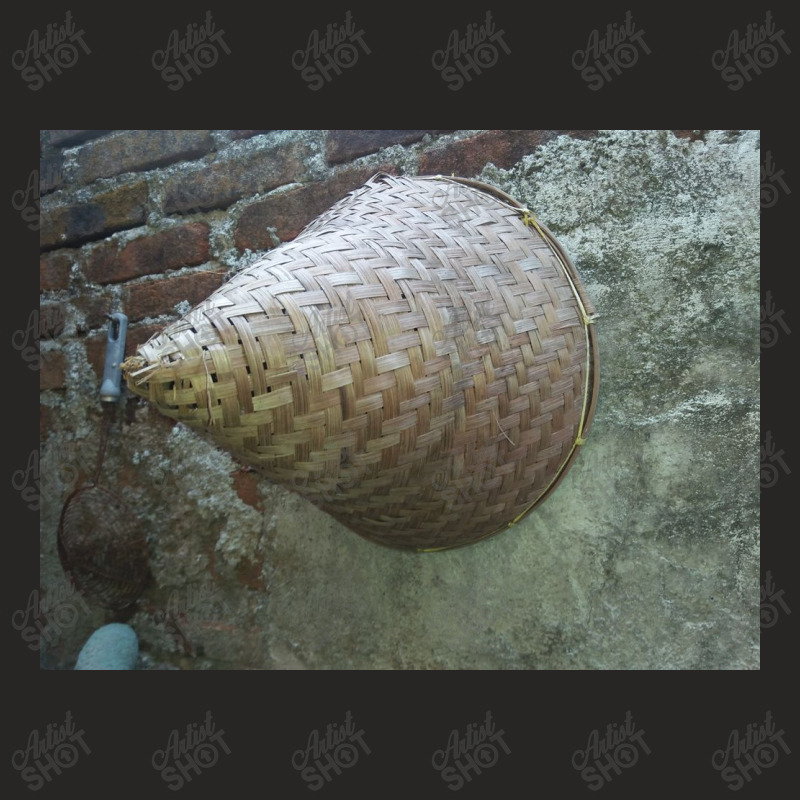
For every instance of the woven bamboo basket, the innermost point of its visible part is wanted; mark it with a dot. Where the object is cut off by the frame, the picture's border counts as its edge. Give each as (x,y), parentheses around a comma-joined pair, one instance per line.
(419,362)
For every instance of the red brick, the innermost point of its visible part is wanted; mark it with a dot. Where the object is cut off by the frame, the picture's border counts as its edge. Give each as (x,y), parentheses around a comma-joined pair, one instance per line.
(467,157)
(153,298)
(52,374)
(69,138)
(96,352)
(289,212)
(100,261)
(75,223)
(246,484)
(173,248)
(54,269)
(346,145)
(234,135)
(134,151)
(693,135)
(231,177)
(249,573)
(95,308)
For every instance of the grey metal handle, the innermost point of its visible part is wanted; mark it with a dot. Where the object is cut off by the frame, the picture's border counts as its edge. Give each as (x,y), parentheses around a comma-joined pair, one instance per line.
(115,353)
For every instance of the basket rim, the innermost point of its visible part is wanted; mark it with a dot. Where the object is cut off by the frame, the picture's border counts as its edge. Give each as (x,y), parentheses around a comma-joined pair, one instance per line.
(592,381)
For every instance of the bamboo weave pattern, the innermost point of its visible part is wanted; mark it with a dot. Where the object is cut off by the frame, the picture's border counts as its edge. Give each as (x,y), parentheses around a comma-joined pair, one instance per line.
(418,362)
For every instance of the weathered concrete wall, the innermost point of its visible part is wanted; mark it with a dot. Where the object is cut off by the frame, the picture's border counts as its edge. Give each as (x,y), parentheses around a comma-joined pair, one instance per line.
(645,557)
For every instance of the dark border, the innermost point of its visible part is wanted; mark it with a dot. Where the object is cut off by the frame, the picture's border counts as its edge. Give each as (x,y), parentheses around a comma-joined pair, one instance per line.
(405,715)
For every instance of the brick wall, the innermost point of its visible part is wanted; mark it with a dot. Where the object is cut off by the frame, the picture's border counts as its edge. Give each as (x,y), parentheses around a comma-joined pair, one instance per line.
(146,222)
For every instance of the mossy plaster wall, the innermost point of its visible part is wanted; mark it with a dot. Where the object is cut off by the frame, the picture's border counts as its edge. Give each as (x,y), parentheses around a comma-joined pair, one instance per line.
(647,555)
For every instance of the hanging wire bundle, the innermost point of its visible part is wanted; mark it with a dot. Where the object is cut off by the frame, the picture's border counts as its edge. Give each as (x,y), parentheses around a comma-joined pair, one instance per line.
(101,543)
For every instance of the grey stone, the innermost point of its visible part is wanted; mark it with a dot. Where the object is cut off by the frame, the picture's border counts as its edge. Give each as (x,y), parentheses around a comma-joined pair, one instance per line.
(113,646)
